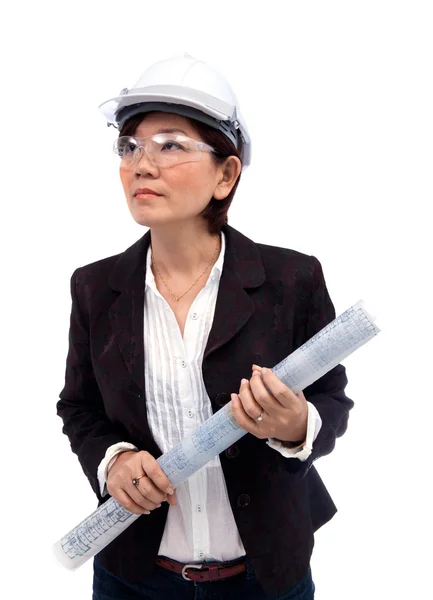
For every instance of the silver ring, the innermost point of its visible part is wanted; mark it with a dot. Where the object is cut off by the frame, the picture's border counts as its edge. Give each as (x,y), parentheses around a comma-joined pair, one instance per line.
(260,417)
(136,480)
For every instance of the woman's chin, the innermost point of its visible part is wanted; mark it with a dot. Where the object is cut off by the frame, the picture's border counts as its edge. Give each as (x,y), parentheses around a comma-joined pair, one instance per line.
(147,220)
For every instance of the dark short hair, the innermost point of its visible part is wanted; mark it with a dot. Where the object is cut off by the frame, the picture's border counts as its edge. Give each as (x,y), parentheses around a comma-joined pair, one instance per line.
(215,213)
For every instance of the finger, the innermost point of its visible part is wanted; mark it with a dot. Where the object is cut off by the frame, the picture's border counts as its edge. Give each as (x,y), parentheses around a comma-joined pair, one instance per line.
(249,404)
(172,499)
(148,490)
(263,396)
(127,502)
(279,391)
(242,418)
(141,495)
(155,473)
(121,486)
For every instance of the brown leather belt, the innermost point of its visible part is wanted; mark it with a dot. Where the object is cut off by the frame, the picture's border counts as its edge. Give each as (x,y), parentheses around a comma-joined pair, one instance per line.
(209,572)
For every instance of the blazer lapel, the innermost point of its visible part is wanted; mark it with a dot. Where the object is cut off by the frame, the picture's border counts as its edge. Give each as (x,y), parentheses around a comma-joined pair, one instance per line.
(128,277)
(243,268)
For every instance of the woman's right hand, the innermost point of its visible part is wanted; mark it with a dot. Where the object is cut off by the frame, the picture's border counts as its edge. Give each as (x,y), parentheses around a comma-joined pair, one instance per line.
(152,489)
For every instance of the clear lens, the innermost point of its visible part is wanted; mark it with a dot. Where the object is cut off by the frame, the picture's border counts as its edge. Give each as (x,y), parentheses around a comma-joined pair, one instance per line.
(164,149)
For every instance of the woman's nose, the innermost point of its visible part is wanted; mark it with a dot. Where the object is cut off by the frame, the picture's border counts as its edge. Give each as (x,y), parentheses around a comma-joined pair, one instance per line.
(144,163)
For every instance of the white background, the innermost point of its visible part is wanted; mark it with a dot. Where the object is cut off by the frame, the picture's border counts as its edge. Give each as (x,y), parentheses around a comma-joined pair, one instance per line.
(338,100)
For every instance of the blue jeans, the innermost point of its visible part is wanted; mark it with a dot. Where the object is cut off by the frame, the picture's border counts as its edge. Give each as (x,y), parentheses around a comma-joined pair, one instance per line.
(165,585)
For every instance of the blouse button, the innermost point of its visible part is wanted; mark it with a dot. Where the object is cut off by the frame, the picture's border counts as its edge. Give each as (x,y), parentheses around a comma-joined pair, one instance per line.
(183,364)
(194,316)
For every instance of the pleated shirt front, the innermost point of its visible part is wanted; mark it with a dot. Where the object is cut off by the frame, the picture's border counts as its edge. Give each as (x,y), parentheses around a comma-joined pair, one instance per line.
(201,526)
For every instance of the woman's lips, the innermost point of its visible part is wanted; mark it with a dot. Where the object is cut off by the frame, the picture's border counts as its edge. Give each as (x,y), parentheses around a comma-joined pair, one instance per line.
(141,196)
(142,193)
(146,191)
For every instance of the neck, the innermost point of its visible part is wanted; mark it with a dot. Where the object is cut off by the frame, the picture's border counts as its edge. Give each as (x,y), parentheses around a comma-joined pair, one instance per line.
(182,250)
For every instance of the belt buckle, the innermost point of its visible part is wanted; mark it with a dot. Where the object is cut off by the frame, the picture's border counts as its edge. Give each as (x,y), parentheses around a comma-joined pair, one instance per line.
(185,567)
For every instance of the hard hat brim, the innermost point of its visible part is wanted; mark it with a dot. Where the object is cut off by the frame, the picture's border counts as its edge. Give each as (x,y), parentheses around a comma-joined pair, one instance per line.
(173,94)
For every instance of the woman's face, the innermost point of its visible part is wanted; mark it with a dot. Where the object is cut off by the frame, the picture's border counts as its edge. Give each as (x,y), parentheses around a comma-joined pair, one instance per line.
(185,189)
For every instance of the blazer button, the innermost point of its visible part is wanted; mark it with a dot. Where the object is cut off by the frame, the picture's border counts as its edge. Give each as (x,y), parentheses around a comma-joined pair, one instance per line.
(222,399)
(243,500)
(232,451)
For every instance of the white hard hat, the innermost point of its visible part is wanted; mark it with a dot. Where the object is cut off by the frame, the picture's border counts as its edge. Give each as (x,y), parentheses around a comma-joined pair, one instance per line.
(185,86)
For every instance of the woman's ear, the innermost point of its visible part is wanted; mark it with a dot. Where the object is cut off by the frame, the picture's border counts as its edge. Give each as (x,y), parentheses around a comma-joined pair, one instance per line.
(229,173)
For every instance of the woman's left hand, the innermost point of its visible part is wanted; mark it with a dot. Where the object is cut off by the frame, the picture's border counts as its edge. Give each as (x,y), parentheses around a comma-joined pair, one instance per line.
(284,414)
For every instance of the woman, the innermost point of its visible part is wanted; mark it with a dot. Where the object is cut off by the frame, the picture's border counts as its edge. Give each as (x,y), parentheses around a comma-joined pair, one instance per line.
(167,332)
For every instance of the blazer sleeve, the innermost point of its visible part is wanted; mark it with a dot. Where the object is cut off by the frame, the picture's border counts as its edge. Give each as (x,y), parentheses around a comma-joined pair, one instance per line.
(327,393)
(81,406)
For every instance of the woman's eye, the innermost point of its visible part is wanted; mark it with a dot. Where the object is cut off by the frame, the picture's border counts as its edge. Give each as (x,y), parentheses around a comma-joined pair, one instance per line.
(171,146)
(126,149)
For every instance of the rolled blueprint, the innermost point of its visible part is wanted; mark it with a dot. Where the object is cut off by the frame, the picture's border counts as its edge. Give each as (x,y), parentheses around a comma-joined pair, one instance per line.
(309,362)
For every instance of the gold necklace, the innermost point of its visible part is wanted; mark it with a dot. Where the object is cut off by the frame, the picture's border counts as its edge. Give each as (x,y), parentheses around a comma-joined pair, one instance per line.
(177,298)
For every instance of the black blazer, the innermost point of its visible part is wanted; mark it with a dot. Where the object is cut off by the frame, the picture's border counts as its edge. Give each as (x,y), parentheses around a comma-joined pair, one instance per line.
(270,301)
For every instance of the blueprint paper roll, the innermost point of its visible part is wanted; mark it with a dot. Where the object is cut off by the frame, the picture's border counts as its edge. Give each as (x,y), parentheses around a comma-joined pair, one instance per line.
(321,353)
